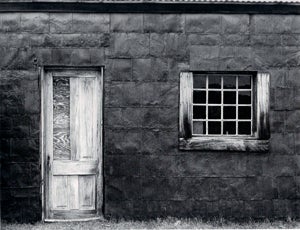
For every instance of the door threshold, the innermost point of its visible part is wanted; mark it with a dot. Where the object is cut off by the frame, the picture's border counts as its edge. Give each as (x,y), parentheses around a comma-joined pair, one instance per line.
(73,220)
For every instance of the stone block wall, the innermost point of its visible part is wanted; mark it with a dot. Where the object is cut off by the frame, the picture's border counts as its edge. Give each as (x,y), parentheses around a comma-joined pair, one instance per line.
(145,174)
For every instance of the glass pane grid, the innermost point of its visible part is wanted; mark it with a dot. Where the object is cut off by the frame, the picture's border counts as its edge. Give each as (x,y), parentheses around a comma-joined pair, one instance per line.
(217,114)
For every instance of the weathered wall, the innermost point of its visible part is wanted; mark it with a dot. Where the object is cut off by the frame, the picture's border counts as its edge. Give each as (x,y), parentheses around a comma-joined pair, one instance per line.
(145,173)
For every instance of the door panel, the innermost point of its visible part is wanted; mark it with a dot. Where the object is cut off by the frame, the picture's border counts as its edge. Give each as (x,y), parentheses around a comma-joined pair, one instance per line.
(72,144)
(87,192)
(83,118)
(59,192)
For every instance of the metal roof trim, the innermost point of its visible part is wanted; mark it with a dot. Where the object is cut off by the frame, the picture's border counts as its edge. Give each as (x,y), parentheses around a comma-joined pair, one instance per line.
(260,2)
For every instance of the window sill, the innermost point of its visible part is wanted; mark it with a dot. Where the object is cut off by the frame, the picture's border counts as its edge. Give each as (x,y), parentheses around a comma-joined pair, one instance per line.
(224,144)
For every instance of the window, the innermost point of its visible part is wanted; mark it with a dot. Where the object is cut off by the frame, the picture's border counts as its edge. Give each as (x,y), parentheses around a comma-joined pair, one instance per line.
(224,111)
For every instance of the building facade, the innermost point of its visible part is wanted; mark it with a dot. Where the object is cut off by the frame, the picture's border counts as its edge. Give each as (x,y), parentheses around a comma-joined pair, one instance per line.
(156,148)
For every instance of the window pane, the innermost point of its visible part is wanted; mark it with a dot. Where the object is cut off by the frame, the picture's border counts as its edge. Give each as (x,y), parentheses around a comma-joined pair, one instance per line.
(214,112)
(244,128)
(244,112)
(229,112)
(245,97)
(199,112)
(199,127)
(214,127)
(229,127)
(229,82)
(230,97)
(199,81)
(214,97)
(244,82)
(199,97)
(214,82)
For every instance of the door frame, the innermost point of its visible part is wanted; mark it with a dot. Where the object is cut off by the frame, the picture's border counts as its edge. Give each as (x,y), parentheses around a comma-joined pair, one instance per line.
(43,70)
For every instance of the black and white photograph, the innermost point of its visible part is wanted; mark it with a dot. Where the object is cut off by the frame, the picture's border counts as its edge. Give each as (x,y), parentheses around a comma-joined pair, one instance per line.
(149,114)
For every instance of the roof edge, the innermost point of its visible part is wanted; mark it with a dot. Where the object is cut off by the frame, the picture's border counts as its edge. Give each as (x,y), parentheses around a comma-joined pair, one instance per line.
(153,7)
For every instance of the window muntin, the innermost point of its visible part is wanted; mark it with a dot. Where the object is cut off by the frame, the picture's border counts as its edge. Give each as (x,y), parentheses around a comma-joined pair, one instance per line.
(257,99)
(222,105)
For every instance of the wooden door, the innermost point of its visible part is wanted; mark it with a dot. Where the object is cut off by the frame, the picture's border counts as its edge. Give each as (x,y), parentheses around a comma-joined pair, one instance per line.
(71,139)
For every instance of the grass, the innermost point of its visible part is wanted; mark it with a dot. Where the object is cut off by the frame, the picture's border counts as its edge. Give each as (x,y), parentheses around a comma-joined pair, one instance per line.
(168,223)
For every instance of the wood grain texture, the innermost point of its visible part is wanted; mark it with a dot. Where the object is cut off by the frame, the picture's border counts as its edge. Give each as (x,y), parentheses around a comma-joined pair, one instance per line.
(99,177)
(263,99)
(48,138)
(186,106)
(42,141)
(59,193)
(61,118)
(74,167)
(224,144)
(73,192)
(83,112)
(87,190)
(72,214)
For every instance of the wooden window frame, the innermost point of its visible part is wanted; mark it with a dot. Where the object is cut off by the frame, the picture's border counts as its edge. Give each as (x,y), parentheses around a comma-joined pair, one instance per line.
(257,142)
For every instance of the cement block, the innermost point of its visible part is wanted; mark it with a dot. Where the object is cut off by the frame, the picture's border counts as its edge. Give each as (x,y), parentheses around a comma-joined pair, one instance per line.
(11,22)
(277,124)
(97,56)
(160,166)
(176,46)
(61,23)
(259,209)
(127,142)
(206,23)
(269,56)
(290,39)
(291,56)
(25,150)
(122,188)
(204,39)
(235,39)
(130,45)
(272,24)
(293,121)
(124,94)
(284,98)
(80,57)
(234,24)
(20,175)
(279,165)
(154,69)
(293,78)
(175,67)
(265,40)
(282,208)
(122,165)
(282,143)
(61,56)
(157,45)
(297,143)
(35,22)
(163,23)
(126,22)
(286,187)
(90,23)
(163,188)
(204,57)
(119,70)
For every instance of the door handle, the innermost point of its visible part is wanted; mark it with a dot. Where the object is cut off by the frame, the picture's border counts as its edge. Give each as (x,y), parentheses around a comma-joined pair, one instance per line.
(48,163)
